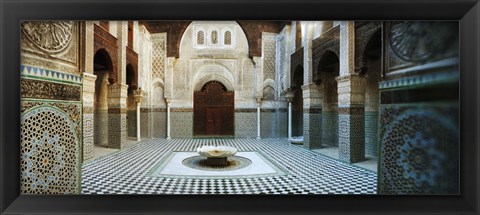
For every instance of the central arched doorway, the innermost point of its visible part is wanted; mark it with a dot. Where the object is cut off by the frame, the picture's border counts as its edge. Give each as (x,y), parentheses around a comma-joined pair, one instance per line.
(213,111)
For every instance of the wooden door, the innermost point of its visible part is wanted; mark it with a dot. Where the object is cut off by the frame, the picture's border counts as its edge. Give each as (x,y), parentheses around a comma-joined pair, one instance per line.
(214,121)
(213,110)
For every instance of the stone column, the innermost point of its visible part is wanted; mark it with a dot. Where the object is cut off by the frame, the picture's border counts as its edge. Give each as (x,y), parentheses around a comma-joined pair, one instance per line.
(312,116)
(88,92)
(88,115)
(351,118)
(122,41)
(289,95)
(137,94)
(312,99)
(117,115)
(168,118)
(259,100)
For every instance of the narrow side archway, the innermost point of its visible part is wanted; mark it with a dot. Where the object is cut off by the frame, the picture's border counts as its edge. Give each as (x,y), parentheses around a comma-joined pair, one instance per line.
(372,69)
(297,103)
(213,111)
(102,69)
(131,106)
(328,70)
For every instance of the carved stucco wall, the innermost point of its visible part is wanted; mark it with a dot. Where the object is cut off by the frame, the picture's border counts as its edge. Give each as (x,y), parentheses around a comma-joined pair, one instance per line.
(198,64)
(51,108)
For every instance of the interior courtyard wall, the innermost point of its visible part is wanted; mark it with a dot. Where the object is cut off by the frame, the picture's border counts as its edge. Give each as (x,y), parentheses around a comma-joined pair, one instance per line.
(281,68)
(270,105)
(88,90)
(365,31)
(419,135)
(117,92)
(198,63)
(51,107)
(327,43)
(312,95)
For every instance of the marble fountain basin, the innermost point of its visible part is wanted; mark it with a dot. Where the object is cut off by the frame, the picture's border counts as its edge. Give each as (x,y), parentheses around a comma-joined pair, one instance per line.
(296,140)
(217,155)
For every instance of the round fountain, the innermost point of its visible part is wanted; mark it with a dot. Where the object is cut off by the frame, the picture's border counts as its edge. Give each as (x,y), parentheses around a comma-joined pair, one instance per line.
(217,155)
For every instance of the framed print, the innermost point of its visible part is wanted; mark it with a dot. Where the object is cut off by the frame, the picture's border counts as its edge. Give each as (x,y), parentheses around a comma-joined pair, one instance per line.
(239,107)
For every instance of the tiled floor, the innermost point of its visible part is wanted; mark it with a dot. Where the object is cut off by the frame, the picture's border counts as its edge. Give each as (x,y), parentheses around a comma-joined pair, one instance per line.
(369,163)
(100,151)
(129,171)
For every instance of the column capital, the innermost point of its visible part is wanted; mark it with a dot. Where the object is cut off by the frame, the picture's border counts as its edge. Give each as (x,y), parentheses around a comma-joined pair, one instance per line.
(351,90)
(117,90)
(289,94)
(89,82)
(137,95)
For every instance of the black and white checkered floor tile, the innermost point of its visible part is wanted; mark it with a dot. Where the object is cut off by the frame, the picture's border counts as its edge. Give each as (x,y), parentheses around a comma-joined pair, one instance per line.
(128,171)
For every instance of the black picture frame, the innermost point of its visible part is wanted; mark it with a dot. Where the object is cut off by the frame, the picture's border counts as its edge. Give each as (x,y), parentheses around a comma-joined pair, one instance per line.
(12,12)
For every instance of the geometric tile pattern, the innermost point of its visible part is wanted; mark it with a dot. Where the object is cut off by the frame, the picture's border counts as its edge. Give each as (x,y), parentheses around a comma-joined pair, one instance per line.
(158,58)
(282,126)
(88,120)
(159,124)
(268,125)
(181,124)
(330,128)
(45,74)
(371,132)
(419,149)
(246,124)
(129,171)
(117,130)
(269,60)
(433,78)
(351,143)
(49,146)
(100,127)
(145,120)
(312,130)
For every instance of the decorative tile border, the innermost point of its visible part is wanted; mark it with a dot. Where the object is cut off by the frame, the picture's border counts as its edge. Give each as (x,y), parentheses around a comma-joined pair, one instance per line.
(117,110)
(181,110)
(434,78)
(35,72)
(246,110)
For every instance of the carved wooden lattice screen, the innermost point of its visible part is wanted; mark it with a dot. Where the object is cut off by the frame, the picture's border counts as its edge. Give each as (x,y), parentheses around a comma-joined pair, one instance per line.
(213,110)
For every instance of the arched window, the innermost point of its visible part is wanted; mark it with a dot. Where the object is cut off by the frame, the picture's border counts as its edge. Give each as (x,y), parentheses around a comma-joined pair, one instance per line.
(200,38)
(227,40)
(214,37)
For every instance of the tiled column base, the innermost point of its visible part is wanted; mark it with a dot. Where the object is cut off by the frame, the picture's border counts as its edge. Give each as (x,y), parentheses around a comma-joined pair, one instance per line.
(101,127)
(88,120)
(351,131)
(117,128)
(312,130)
(371,129)
(329,128)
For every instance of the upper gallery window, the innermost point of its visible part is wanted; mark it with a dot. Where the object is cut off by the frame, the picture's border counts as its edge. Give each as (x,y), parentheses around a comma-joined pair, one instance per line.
(227,40)
(214,37)
(200,38)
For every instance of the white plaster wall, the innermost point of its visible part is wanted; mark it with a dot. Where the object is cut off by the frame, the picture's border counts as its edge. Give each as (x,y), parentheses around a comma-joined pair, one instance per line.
(228,64)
